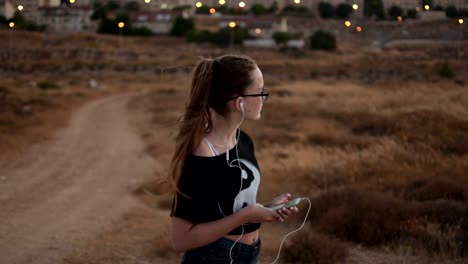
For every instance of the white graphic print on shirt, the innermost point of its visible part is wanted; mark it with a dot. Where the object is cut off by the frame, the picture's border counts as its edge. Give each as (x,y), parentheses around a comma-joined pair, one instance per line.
(248,194)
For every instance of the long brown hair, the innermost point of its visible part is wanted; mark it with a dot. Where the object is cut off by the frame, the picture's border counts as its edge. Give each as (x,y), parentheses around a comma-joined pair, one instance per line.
(213,82)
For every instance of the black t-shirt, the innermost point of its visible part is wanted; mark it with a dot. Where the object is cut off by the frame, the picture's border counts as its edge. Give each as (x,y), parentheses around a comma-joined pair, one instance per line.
(214,188)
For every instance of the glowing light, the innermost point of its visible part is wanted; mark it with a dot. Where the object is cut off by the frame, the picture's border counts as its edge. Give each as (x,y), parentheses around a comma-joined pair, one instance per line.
(232,24)
(147,1)
(241,4)
(355,7)
(20,8)
(72,1)
(258,31)
(399,18)
(460,21)
(121,24)
(427,7)
(222,2)
(358,29)
(297,1)
(212,10)
(347,23)
(12,24)
(163,5)
(198,4)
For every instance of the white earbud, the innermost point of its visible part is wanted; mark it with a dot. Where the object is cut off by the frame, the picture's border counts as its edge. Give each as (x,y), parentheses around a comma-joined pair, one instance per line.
(242,106)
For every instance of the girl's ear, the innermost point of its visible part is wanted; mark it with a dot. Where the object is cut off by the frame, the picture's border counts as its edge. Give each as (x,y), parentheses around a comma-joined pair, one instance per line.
(240,104)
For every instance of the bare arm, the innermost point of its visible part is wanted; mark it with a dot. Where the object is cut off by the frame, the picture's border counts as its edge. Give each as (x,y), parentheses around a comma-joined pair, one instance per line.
(186,235)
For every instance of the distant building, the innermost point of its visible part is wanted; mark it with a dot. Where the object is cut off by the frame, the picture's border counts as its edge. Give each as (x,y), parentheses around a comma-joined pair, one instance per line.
(159,22)
(260,26)
(65,18)
(156,5)
(48,3)
(29,8)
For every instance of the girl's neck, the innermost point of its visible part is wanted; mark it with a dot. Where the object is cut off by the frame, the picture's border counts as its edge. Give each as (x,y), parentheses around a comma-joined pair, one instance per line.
(223,132)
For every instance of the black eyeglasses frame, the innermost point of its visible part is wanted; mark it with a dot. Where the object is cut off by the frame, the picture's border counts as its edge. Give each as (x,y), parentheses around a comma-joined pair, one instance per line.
(264,94)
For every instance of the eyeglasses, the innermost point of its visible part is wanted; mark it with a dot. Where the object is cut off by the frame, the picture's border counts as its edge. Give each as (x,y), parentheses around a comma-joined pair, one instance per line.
(264,94)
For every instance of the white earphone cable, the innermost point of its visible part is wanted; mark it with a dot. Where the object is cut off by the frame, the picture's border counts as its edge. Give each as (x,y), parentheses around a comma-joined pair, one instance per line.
(240,188)
(294,231)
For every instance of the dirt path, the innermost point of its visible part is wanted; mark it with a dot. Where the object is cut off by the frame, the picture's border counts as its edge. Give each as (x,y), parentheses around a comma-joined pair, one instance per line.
(67,190)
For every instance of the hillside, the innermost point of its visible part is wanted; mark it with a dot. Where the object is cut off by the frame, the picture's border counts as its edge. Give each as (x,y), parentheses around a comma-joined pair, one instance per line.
(375,136)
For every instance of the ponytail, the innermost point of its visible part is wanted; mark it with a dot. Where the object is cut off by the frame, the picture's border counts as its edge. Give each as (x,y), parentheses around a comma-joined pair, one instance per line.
(196,121)
(213,82)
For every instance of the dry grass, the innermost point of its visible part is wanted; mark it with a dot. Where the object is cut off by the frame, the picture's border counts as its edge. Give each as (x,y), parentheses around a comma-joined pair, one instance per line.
(380,163)
(312,247)
(378,143)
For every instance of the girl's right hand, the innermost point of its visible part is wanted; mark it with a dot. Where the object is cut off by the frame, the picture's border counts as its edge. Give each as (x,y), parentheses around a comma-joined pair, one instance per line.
(257,213)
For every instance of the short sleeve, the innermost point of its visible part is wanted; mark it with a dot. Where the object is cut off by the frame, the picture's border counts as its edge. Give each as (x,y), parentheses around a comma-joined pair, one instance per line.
(182,206)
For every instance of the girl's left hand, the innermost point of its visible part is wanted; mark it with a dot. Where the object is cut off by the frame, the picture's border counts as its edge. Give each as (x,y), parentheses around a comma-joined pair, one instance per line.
(284,198)
(286,212)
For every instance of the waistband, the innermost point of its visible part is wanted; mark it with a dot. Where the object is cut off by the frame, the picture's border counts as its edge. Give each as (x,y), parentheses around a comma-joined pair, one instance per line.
(239,248)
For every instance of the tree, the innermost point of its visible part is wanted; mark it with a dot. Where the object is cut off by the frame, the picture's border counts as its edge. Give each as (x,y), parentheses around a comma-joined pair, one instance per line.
(394,12)
(204,9)
(99,12)
(182,7)
(374,8)
(295,10)
(19,20)
(451,11)
(131,6)
(273,8)
(258,9)
(326,10)
(107,26)
(227,35)
(112,5)
(343,10)
(412,14)
(322,40)
(281,38)
(182,26)
(200,36)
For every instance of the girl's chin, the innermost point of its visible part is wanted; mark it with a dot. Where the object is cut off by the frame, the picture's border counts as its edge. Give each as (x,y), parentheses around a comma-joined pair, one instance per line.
(257,117)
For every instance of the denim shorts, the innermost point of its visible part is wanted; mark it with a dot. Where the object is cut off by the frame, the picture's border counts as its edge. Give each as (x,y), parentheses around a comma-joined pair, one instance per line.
(218,253)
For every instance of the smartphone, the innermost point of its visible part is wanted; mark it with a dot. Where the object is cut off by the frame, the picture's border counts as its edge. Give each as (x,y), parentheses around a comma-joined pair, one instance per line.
(289,204)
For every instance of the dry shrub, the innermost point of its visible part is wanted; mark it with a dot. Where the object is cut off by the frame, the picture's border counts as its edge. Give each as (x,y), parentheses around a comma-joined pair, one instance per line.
(336,140)
(309,181)
(446,213)
(428,189)
(359,215)
(279,181)
(279,124)
(433,240)
(156,194)
(153,187)
(312,247)
(438,130)
(270,135)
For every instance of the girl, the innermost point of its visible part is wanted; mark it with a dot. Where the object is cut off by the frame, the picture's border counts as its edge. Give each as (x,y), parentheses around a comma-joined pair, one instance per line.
(215,216)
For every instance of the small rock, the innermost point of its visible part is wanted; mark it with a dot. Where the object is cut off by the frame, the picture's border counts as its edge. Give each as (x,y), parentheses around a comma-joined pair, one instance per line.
(93,84)
(26,109)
